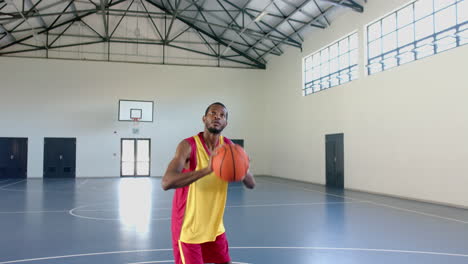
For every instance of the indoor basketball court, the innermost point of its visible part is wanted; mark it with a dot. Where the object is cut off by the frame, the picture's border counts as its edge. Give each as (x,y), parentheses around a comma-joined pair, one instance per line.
(352,114)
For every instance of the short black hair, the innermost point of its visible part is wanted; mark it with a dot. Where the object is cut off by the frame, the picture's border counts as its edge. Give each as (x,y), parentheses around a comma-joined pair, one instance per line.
(215,103)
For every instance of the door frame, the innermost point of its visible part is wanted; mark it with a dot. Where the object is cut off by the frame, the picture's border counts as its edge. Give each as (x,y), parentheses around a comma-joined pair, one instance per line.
(135,157)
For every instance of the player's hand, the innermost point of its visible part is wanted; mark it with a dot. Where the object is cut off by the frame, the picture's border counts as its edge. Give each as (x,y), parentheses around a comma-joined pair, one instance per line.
(209,168)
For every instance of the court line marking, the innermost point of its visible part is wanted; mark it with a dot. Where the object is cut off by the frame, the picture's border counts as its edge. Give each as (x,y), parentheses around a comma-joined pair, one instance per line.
(172,261)
(154,209)
(102,219)
(72,211)
(3,186)
(303,248)
(286,204)
(156,261)
(363,249)
(85,255)
(33,212)
(82,183)
(376,203)
(227,206)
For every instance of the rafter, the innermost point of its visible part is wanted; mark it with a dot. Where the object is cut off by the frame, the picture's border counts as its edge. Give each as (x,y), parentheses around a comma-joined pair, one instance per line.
(251,16)
(233,20)
(298,30)
(104,19)
(248,29)
(247,56)
(349,4)
(53,26)
(150,18)
(304,3)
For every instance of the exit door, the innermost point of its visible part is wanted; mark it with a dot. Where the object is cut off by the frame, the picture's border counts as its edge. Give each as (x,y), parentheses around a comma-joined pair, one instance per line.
(59,157)
(13,157)
(334,161)
(135,157)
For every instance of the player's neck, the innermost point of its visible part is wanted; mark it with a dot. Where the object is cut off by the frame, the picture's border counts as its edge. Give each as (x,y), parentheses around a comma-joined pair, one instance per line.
(211,140)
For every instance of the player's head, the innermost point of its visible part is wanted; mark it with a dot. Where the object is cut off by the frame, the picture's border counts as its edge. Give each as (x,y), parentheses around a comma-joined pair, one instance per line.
(215,118)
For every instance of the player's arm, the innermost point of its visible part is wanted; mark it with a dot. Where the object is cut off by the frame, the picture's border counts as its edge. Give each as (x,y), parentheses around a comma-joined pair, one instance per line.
(174,178)
(249,180)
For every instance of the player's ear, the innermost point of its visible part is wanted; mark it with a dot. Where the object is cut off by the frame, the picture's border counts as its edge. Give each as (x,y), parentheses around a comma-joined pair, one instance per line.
(203,119)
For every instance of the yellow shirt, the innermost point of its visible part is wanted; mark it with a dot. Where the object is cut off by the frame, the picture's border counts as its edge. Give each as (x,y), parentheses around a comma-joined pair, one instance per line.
(206,200)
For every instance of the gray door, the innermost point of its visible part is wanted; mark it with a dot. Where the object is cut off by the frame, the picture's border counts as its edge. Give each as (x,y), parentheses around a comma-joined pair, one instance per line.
(59,157)
(13,157)
(334,161)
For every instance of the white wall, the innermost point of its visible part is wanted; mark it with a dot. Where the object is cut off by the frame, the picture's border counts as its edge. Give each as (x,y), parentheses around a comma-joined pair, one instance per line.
(59,98)
(405,130)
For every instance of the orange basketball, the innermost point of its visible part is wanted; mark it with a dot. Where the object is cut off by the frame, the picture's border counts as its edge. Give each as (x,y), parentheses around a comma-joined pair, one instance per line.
(230,162)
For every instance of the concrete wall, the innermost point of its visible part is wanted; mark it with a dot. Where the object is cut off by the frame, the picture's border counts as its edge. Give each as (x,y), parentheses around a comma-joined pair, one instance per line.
(404,129)
(59,98)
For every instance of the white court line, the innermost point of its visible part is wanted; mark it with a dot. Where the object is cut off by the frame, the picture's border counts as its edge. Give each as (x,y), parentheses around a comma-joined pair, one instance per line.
(303,248)
(291,204)
(378,204)
(85,255)
(1,187)
(306,189)
(156,261)
(244,205)
(171,261)
(81,184)
(417,212)
(362,249)
(33,212)
(72,211)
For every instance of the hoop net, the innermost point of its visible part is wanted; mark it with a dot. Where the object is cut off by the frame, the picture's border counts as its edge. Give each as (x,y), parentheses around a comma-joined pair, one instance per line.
(136,120)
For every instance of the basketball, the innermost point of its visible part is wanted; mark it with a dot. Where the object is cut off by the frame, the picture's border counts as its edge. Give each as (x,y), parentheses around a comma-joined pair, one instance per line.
(230,163)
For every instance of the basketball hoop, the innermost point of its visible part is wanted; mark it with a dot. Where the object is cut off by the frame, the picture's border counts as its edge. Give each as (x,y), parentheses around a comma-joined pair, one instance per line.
(136,120)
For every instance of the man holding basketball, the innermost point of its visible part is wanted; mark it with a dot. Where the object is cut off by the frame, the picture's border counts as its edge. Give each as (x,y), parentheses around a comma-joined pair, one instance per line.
(198,233)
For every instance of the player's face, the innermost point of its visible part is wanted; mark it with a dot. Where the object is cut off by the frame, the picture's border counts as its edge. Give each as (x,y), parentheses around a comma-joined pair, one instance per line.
(215,119)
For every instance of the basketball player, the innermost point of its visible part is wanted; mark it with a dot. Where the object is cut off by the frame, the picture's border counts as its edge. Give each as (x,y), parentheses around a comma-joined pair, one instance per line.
(198,234)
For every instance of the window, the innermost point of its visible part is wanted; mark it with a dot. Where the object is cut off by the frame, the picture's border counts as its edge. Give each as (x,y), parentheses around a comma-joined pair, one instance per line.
(331,66)
(420,29)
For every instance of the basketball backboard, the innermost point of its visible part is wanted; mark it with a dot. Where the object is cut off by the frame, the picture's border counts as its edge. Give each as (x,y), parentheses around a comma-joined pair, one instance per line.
(131,109)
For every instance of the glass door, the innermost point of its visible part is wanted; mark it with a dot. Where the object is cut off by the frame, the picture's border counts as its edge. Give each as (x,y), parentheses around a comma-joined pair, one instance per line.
(135,157)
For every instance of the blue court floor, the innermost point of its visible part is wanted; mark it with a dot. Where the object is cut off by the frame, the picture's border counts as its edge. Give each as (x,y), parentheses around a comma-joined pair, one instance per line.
(127,221)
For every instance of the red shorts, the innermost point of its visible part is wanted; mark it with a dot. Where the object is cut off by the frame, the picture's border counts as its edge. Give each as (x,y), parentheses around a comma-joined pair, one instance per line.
(209,252)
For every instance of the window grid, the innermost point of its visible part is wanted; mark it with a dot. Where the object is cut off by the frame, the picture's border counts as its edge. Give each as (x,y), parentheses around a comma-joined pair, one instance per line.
(337,64)
(421,44)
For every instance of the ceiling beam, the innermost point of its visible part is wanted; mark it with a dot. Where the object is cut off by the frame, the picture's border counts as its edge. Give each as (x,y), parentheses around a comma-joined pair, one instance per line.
(299,29)
(251,16)
(103,7)
(298,8)
(349,4)
(256,62)
(56,26)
